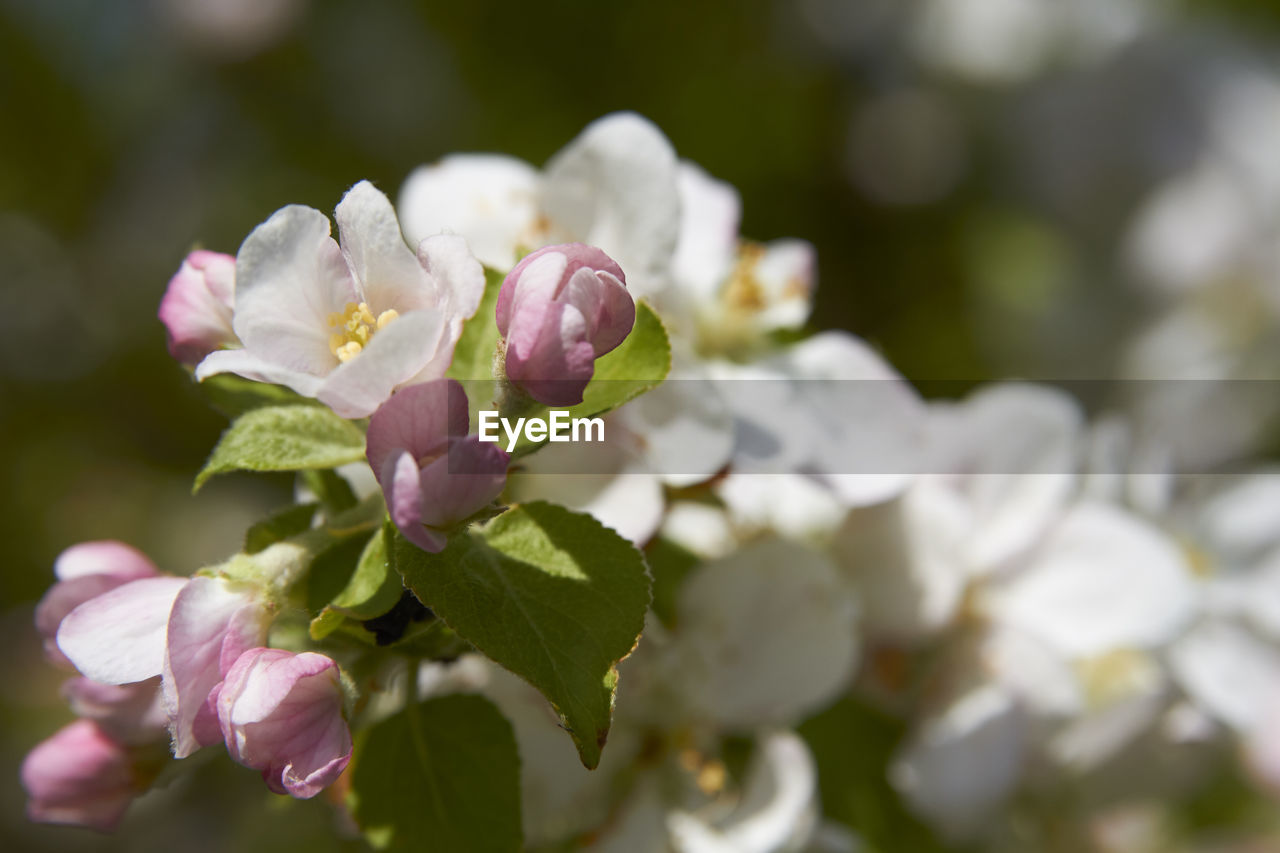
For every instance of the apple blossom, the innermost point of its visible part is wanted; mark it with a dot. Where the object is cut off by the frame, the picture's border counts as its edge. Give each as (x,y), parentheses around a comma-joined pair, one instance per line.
(560,309)
(432,473)
(79,776)
(347,322)
(729,293)
(281,713)
(197,306)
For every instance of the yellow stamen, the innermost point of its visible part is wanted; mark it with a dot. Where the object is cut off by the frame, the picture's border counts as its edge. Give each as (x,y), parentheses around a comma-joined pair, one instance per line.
(353,328)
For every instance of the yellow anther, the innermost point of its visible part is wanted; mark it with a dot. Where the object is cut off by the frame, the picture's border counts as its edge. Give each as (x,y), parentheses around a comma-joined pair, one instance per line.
(353,328)
(348,351)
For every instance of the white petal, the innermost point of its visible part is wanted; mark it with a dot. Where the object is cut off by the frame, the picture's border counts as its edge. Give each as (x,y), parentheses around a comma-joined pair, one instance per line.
(1239,522)
(119,636)
(1229,671)
(792,505)
(489,199)
(394,356)
(963,764)
(699,528)
(830,405)
(742,676)
(614,187)
(602,479)
(244,363)
(1033,673)
(904,558)
(709,214)
(290,276)
(456,274)
(778,810)
(1018,444)
(1104,580)
(387,272)
(788,274)
(687,429)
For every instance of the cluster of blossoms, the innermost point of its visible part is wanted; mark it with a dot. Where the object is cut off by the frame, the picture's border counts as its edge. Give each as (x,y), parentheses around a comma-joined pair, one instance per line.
(1034,600)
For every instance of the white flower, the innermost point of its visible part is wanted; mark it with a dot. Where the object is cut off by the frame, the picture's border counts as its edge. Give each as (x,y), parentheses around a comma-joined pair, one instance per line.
(729,293)
(613,187)
(349,322)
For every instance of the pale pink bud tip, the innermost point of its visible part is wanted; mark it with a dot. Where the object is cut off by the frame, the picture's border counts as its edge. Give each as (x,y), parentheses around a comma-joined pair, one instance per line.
(80,776)
(86,571)
(281,713)
(559,310)
(197,306)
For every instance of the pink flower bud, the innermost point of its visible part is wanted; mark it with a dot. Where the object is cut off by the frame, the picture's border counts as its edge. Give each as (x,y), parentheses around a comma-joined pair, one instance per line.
(212,622)
(281,713)
(432,473)
(196,307)
(86,571)
(559,310)
(79,776)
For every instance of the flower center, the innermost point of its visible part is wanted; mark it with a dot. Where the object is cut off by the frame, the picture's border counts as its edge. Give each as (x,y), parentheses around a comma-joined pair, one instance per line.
(354,327)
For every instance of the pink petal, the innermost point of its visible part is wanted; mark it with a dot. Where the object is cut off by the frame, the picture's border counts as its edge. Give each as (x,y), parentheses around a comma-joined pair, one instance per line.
(103,557)
(548,354)
(403,492)
(80,776)
(213,622)
(603,299)
(128,713)
(537,277)
(462,482)
(420,419)
(196,308)
(119,637)
(86,571)
(281,713)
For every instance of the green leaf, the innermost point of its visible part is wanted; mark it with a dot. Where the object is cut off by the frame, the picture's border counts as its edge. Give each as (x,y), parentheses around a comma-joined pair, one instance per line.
(289,521)
(372,589)
(637,365)
(440,775)
(473,354)
(234,395)
(284,438)
(332,570)
(552,595)
(670,564)
(332,490)
(852,744)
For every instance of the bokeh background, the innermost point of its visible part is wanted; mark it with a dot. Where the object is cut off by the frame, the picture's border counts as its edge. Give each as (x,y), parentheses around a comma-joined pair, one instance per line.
(979,180)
